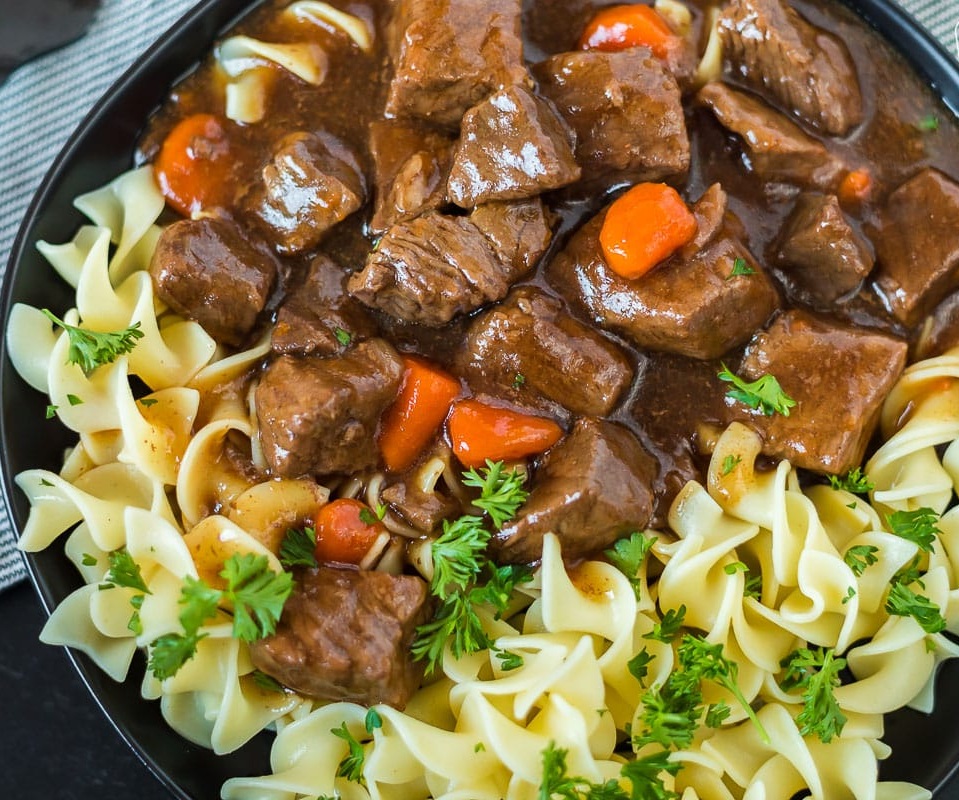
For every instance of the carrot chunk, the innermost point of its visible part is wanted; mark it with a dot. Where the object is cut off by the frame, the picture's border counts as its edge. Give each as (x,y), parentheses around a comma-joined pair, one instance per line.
(194,163)
(479,432)
(643,227)
(417,413)
(346,529)
(620,27)
(855,187)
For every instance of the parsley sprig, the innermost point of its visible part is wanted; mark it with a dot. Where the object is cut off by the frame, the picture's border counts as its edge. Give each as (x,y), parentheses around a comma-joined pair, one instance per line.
(855,482)
(644,775)
(298,548)
(464,578)
(764,394)
(501,491)
(860,556)
(124,571)
(903,601)
(91,349)
(918,526)
(254,591)
(628,556)
(816,672)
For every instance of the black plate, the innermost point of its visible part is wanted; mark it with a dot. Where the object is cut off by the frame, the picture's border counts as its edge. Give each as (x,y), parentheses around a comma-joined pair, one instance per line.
(925,748)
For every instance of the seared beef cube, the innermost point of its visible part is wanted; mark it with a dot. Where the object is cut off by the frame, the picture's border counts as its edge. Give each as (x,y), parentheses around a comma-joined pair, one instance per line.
(776,148)
(701,306)
(449,55)
(519,232)
(940,332)
(346,634)
(434,267)
(593,487)
(319,416)
(626,110)
(311,183)
(823,256)
(529,345)
(207,270)
(838,377)
(318,317)
(424,510)
(917,246)
(410,166)
(710,214)
(512,145)
(806,70)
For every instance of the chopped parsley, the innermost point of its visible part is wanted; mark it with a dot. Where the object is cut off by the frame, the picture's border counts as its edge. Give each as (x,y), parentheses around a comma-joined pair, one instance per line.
(730,463)
(344,337)
(860,556)
(904,602)
(764,394)
(628,556)
(256,594)
(740,267)
(918,526)
(854,481)
(816,672)
(298,548)
(501,491)
(91,349)
(668,627)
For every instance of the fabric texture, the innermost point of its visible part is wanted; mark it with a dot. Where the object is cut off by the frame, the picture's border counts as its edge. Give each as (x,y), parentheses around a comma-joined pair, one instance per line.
(43,101)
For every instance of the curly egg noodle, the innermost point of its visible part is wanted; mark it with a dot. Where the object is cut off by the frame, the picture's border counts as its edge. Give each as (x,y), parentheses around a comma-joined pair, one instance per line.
(150,474)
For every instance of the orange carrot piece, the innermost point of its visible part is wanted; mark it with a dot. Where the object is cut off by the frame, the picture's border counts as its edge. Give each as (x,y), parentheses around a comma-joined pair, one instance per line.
(643,227)
(194,163)
(855,187)
(479,432)
(346,529)
(419,410)
(620,27)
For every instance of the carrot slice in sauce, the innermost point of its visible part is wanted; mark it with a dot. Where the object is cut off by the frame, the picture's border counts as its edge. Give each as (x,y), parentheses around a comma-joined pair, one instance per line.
(620,27)
(479,432)
(194,163)
(643,227)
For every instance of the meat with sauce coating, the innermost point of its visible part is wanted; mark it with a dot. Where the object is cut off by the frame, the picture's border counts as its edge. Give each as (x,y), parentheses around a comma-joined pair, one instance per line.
(345,634)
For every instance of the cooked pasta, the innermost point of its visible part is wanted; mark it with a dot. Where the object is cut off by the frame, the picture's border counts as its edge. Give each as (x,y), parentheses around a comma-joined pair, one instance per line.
(476,730)
(751,583)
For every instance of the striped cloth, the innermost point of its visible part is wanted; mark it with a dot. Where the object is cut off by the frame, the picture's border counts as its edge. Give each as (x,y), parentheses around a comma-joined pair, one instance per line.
(43,101)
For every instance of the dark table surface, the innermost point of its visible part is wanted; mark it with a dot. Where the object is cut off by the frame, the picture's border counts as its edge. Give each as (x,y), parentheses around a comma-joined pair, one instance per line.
(55,740)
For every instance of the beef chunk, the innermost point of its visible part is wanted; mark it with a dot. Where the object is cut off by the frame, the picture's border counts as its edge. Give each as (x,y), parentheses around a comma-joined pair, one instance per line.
(916,246)
(695,306)
(513,145)
(318,317)
(320,415)
(940,331)
(592,488)
(346,634)
(823,256)
(425,511)
(838,377)
(625,109)
(312,182)
(777,149)
(436,266)
(558,358)
(710,215)
(207,270)
(518,232)
(449,55)
(410,166)
(806,70)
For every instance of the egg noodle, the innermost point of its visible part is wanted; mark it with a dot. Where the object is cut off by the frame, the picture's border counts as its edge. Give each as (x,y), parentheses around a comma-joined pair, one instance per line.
(759,564)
